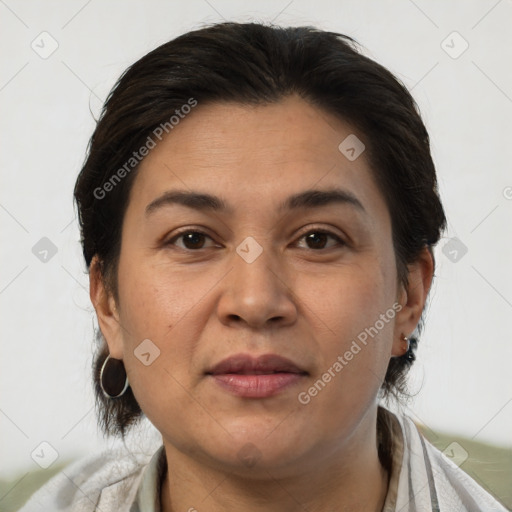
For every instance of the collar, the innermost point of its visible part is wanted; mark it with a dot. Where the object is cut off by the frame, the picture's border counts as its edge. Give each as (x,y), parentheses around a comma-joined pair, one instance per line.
(148,493)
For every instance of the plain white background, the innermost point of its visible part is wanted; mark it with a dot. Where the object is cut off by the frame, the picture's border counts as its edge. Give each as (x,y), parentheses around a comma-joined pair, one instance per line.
(463,375)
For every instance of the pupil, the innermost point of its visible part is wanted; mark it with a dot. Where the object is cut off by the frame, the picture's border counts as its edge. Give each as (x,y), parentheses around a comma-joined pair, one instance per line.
(314,237)
(193,239)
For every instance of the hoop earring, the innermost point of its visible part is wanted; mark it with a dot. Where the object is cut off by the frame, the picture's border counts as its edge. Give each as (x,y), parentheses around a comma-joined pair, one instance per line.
(110,371)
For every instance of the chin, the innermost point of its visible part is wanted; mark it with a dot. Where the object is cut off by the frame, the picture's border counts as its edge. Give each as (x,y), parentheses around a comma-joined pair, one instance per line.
(252,447)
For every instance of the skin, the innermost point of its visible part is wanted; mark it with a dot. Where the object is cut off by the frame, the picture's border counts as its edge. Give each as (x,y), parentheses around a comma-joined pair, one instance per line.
(297,299)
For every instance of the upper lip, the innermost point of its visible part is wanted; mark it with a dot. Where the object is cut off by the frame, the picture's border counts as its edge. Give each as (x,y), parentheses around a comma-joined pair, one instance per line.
(247,364)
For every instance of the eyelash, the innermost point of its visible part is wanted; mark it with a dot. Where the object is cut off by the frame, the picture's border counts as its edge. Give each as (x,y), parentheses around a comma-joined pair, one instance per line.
(313,230)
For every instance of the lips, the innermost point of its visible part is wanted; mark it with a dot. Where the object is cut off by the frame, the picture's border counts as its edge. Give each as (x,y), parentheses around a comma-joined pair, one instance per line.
(260,377)
(244,364)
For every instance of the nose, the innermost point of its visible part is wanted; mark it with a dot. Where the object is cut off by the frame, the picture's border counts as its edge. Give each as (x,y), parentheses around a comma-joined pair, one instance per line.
(258,294)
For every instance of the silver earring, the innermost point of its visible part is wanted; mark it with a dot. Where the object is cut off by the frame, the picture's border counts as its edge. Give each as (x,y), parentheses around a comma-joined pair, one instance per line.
(112,374)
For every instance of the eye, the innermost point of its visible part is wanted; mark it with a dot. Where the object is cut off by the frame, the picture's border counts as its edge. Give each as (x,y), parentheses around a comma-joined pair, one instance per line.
(192,239)
(317,239)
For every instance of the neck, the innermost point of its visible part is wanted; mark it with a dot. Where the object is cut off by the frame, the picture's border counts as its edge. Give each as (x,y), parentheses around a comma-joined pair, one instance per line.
(351,478)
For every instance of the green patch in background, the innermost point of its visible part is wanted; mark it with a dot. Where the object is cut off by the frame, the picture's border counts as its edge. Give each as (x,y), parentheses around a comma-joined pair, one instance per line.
(490,466)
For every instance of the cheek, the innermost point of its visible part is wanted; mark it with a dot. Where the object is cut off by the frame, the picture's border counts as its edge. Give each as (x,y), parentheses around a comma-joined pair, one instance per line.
(355,297)
(354,311)
(155,300)
(170,310)
(355,355)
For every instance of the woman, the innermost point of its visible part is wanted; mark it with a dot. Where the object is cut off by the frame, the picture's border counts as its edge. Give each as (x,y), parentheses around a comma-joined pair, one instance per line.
(258,211)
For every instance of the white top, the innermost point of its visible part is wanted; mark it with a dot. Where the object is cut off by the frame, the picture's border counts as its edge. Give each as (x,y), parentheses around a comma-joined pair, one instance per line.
(422,480)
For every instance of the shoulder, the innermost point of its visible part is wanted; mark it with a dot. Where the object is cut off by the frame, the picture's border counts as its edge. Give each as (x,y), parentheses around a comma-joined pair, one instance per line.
(437,478)
(109,479)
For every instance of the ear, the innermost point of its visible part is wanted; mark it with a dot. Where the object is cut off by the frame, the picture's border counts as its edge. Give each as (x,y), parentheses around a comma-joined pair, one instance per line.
(412,299)
(106,310)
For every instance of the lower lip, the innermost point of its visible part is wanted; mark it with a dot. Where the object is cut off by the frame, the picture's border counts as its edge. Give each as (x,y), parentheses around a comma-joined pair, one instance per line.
(257,386)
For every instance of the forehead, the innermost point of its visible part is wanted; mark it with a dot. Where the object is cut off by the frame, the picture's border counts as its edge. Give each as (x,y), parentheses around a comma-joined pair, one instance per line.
(255,156)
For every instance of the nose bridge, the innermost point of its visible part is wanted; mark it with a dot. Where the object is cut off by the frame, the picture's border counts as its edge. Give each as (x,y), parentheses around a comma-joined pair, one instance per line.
(253,267)
(254,291)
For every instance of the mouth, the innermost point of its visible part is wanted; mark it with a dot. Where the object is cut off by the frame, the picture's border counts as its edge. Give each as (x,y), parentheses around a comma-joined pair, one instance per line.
(264,376)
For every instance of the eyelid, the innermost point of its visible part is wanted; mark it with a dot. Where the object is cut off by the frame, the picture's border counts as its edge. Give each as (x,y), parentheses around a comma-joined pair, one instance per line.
(326,231)
(184,231)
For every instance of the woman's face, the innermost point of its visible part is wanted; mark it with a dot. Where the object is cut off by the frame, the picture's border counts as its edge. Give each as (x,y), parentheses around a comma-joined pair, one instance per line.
(278,271)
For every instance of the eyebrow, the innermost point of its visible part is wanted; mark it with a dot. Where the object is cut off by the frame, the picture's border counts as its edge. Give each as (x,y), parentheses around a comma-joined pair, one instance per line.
(308,199)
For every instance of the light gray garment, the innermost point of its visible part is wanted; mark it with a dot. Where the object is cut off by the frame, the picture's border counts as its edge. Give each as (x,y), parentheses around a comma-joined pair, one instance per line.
(422,480)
